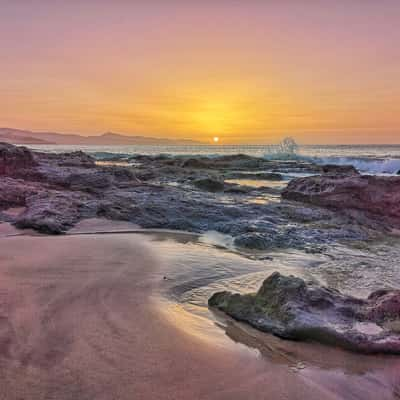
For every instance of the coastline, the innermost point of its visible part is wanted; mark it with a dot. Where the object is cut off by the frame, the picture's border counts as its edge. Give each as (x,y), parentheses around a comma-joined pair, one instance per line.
(106,288)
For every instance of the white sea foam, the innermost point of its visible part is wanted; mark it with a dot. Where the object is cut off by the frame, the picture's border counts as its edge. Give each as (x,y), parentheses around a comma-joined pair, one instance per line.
(289,150)
(366,165)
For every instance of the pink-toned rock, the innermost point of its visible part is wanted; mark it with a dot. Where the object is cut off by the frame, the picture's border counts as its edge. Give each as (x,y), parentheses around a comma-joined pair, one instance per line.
(14,192)
(376,195)
(15,161)
(384,305)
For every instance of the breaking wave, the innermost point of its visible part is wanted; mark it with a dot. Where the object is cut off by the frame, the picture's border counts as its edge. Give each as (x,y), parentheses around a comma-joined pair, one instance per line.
(289,150)
(366,165)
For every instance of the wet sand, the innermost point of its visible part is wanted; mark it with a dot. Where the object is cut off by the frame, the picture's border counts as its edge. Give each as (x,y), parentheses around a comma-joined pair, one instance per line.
(83,317)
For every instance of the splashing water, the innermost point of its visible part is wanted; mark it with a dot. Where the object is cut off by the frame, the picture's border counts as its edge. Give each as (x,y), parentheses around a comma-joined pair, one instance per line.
(287,149)
(288,146)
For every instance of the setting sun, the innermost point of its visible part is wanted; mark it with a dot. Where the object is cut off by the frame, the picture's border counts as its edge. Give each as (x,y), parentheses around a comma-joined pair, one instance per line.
(216,139)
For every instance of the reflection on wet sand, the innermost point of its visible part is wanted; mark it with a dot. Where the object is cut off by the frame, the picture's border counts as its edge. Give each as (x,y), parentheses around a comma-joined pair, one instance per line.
(331,372)
(328,369)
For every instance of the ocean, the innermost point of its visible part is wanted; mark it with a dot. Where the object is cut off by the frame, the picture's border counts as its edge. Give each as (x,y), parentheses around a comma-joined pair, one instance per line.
(373,159)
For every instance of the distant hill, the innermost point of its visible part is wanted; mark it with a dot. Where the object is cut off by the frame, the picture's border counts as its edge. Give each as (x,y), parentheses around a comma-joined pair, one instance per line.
(18,136)
(8,136)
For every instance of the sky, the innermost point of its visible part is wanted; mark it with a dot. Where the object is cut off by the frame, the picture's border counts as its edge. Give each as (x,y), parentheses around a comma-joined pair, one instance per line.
(249,71)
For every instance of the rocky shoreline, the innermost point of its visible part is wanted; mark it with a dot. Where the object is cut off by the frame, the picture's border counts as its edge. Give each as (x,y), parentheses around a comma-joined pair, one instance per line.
(192,194)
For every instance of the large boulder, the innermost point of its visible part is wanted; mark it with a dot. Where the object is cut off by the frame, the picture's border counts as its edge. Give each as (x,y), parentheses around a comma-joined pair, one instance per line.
(379,195)
(290,308)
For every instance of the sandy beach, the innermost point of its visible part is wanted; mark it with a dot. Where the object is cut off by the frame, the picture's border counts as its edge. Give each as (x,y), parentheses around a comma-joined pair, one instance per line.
(83,317)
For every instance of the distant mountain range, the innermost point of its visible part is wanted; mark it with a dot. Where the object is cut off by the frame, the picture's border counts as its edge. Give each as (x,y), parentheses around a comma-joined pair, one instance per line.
(18,136)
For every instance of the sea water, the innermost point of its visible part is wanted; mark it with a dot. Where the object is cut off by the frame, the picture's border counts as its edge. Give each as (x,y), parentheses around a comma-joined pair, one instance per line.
(373,159)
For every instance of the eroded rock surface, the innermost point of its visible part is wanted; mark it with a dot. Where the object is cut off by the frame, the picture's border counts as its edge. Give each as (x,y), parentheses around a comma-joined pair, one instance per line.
(291,308)
(375,195)
(15,161)
(183,193)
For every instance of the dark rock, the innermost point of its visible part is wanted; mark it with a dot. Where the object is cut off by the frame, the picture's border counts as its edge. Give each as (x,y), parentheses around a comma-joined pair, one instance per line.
(339,169)
(268,240)
(209,184)
(194,163)
(234,158)
(290,308)
(234,161)
(255,241)
(266,176)
(237,189)
(146,175)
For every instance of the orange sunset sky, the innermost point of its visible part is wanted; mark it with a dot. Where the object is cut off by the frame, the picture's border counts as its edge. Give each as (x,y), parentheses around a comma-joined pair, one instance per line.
(246,71)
